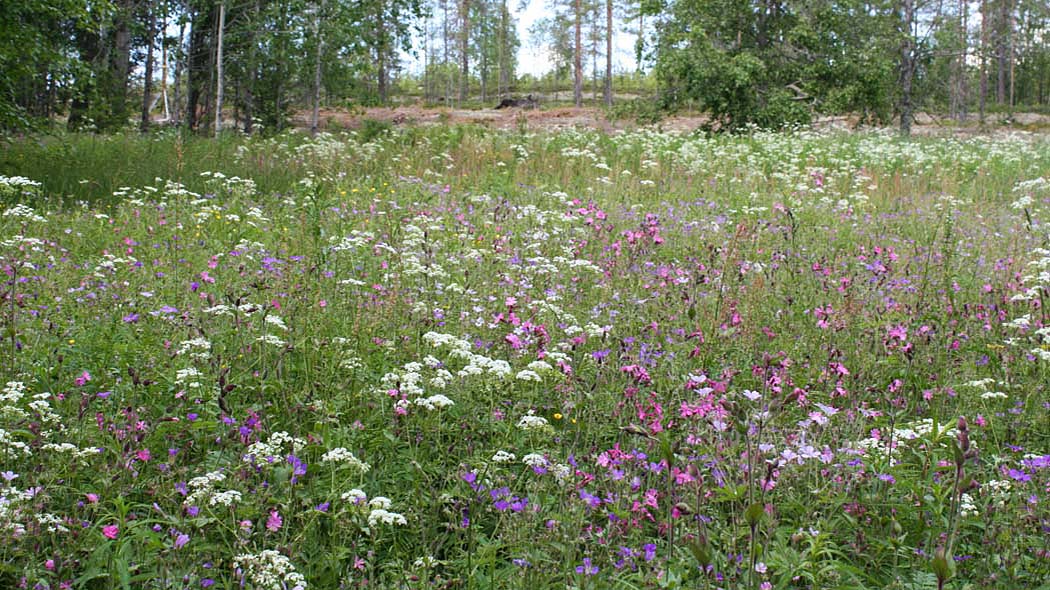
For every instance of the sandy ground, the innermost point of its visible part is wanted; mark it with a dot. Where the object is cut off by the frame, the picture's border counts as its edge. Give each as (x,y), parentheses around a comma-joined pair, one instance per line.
(554,118)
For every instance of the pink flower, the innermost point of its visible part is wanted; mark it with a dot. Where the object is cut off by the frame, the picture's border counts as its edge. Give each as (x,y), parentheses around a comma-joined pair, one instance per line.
(143,455)
(110,531)
(92,498)
(274,522)
(82,379)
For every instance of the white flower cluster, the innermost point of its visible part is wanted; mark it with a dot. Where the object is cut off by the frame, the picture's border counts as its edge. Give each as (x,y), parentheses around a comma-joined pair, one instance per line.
(341,455)
(271,340)
(967,507)
(71,449)
(202,488)
(188,377)
(277,322)
(269,570)
(276,447)
(434,402)
(12,392)
(21,211)
(530,421)
(226,498)
(233,185)
(195,348)
(378,507)
(502,456)
(919,429)
(13,506)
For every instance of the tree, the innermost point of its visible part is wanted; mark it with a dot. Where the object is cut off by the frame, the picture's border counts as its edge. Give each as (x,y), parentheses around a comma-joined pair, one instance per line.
(577,58)
(769,62)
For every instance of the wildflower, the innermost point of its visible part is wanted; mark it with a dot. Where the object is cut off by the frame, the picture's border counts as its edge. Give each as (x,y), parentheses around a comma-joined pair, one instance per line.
(274,521)
(503,457)
(587,569)
(181,540)
(386,517)
(269,570)
(341,455)
(110,531)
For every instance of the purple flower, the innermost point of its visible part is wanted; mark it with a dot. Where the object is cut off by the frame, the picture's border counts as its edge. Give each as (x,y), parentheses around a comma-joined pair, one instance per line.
(181,540)
(323,506)
(206,582)
(587,569)
(650,551)
(886,477)
(298,467)
(1018,475)
(131,318)
(592,500)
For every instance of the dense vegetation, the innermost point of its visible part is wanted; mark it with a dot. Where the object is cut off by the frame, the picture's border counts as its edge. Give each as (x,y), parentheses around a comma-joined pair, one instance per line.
(98,64)
(461,358)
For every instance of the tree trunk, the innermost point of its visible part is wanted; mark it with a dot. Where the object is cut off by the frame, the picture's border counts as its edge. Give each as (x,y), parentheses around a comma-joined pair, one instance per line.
(608,52)
(464,72)
(445,48)
(484,66)
(219,81)
(253,71)
(504,72)
(315,118)
(199,67)
(907,66)
(381,56)
(984,57)
(176,76)
(119,67)
(577,87)
(1000,50)
(147,80)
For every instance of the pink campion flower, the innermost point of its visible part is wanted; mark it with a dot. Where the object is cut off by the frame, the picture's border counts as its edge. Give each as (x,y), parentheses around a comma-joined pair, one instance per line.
(274,522)
(143,455)
(82,379)
(110,531)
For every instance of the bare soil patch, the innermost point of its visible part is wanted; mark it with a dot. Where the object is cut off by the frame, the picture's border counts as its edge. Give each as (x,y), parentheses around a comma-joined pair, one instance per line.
(555,118)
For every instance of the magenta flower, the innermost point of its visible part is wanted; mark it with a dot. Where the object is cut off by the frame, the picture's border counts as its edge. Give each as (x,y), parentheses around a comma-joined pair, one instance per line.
(110,531)
(274,522)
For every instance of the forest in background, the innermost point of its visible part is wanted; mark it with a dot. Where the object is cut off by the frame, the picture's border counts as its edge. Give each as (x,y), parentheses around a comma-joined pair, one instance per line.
(108,64)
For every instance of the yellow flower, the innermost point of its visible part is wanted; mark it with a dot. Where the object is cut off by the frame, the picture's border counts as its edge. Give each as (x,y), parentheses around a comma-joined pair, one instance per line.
(557,416)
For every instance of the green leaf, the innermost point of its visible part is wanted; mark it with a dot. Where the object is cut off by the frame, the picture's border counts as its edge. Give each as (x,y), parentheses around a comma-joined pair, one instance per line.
(701,551)
(753,514)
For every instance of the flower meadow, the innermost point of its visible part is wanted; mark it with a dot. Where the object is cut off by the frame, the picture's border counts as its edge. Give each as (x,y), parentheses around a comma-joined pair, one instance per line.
(462,358)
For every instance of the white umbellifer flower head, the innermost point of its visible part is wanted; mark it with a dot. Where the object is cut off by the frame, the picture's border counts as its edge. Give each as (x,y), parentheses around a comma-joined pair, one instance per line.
(381,515)
(527,375)
(355,496)
(534,460)
(269,570)
(341,455)
(503,457)
(379,502)
(227,498)
(532,422)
